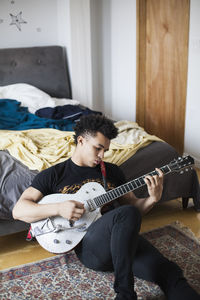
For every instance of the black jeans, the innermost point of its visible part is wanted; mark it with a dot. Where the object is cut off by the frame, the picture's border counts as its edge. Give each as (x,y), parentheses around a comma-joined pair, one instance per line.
(113,243)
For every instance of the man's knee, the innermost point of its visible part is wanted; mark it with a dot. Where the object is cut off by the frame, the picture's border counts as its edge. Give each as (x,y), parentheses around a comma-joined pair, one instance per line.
(130,214)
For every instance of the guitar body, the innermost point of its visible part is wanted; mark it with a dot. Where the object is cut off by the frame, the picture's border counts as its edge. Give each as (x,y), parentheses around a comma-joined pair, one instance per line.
(64,240)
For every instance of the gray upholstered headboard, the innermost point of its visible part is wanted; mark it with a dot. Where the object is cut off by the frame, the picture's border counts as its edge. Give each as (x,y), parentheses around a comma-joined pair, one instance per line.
(43,67)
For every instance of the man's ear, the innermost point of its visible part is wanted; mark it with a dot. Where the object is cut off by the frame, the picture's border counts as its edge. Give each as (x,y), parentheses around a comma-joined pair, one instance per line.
(80,140)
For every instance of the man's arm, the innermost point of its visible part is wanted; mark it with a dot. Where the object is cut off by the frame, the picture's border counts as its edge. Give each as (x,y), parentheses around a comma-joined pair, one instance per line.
(155,188)
(28,210)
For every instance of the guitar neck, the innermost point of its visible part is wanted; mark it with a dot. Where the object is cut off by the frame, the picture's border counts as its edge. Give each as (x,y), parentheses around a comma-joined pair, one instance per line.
(130,186)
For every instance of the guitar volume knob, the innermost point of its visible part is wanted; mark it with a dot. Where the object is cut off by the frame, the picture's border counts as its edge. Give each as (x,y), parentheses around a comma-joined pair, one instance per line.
(56,241)
(68,242)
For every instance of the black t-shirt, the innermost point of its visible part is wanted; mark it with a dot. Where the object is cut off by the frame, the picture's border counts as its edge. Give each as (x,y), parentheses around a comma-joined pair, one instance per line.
(67,177)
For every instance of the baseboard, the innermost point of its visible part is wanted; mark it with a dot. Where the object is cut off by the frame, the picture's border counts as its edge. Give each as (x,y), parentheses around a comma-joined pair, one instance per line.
(196,160)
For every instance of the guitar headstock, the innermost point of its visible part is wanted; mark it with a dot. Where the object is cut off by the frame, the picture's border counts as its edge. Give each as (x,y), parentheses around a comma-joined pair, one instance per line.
(181,163)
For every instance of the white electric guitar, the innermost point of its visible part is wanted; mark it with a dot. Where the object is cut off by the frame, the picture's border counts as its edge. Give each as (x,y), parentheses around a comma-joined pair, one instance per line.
(58,235)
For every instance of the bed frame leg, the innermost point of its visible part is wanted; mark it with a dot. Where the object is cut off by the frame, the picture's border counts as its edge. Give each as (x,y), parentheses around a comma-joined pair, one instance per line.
(185,202)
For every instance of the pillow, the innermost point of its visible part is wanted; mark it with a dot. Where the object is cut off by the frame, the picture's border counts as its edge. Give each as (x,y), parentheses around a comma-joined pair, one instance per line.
(14,179)
(32,97)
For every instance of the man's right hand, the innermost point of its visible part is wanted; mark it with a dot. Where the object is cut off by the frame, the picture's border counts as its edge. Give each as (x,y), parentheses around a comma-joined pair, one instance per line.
(28,210)
(71,210)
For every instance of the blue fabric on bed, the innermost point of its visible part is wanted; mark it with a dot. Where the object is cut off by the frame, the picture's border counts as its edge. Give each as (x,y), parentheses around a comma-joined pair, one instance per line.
(72,112)
(15,117)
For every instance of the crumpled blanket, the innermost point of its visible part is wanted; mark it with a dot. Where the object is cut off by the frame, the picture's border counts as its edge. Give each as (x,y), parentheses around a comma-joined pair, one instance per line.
(131,137)
(15,117)
(130,133)
(41,148)
(38,148)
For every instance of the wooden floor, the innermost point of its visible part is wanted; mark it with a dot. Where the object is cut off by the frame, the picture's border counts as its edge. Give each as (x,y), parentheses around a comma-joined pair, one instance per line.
(14,250)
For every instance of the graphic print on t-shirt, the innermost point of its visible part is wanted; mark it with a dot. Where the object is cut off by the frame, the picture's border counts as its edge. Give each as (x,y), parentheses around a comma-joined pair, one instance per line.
(72,189)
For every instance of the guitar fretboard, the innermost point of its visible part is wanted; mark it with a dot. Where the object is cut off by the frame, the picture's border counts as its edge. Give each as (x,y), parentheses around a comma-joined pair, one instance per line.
(125,188)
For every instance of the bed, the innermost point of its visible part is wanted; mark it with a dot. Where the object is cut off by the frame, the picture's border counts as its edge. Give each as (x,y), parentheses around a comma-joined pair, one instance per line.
(45,69)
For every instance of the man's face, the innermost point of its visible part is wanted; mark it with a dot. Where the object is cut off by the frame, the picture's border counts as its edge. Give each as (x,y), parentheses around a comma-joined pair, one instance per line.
(92,149)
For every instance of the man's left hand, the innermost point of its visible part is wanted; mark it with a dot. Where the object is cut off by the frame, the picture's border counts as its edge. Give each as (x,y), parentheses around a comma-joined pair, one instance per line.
(155,185)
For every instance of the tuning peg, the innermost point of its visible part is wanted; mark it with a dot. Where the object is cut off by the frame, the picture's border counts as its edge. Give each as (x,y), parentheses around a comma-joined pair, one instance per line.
(181,172)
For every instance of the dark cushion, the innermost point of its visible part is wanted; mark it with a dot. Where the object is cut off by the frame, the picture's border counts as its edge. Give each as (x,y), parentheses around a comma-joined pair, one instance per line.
(14,179)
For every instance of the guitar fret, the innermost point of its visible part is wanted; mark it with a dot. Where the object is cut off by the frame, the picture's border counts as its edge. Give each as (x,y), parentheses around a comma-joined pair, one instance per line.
(138,182)
(105,198)
(123,189)
(98,201)
(153,173)
(102,199)
(165,169)
(128,187)
(109,195)
(134,184)
(115,193)
(142,180)
(118,192)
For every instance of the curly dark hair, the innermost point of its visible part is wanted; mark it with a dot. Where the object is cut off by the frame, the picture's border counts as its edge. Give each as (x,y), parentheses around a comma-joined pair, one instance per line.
(91,124)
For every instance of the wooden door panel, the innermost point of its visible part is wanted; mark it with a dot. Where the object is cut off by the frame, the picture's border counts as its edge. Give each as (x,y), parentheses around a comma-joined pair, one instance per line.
(166,51)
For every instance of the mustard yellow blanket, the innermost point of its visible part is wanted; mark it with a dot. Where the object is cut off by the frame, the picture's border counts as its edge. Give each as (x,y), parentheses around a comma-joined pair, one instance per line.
(42,148)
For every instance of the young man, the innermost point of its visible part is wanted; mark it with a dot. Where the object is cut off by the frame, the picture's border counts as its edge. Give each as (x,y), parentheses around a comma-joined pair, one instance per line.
(113,241)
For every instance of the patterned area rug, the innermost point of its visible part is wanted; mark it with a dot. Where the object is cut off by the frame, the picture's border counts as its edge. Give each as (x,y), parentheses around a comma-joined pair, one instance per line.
(64,277)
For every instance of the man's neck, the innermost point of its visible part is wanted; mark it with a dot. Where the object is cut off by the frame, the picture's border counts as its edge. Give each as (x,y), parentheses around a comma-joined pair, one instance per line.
(76,158)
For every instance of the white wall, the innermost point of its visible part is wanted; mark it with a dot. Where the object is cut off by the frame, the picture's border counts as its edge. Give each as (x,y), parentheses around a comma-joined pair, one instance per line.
(80,44)
(103,55)
(113,38)
(123,59)
(47,23)
(192,125)
(41,26)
